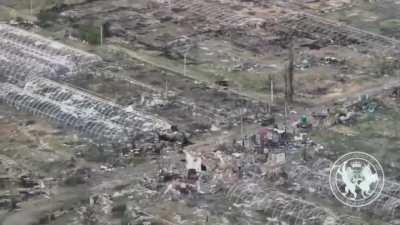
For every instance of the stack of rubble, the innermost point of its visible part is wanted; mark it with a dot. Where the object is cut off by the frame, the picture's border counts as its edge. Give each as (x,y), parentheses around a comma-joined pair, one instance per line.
(28,58)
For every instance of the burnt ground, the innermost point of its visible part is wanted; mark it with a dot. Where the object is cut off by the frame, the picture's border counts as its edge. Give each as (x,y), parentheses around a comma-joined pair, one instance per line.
(220,52)
(183,101)
(146,71)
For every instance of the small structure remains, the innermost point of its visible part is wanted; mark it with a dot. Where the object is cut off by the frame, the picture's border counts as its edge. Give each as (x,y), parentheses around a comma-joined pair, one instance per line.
(31,68)
(276,157)
(266,138)
(304,123)
(193,166)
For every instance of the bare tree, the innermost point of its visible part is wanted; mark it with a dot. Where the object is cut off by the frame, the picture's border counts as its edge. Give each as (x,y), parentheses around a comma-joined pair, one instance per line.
(289,75)
(291,72)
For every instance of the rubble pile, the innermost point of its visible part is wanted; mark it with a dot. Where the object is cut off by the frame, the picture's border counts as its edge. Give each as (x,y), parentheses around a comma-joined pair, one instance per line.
(73,114)
(297,23)
(215,13)
(14,190)
(26,89)
(21,48)
(276,175)
(330,31)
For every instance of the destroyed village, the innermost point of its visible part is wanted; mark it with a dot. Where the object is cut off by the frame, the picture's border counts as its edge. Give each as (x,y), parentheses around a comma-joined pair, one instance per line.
(200,112)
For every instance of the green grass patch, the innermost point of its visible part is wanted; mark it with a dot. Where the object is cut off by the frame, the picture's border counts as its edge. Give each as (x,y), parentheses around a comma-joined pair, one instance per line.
(390,27)
(90,33)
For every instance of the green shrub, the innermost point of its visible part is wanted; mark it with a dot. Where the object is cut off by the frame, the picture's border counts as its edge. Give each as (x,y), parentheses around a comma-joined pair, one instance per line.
(90,33)
(46,17)
(390,27)
(119,210)
(74,180)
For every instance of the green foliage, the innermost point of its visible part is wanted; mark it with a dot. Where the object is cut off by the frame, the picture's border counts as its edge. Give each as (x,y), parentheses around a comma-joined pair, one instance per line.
(119,210)
(90,33)
(74,180)
(126,218)
(46,17)
(49,10)
(390,27)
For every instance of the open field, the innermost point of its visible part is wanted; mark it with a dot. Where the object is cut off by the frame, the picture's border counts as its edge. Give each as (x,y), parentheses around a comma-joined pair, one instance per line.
(143,112)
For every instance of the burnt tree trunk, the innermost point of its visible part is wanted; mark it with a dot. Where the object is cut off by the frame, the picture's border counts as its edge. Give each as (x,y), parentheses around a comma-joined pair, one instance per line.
(285,76)
(290,75)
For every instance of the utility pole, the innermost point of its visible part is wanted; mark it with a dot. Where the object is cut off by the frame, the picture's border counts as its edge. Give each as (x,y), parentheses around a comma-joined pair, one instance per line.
(305,150)
(170,5)
(241,126)
(271,100)
(286,137)
(184,64)
(166,89)
(101,34)
(286,116)
(290,74)
(30,7)
(266,94)
(272,92)
(186,50)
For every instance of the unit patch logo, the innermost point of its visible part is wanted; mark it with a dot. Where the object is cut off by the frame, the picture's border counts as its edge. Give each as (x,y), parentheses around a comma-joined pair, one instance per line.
(356,179)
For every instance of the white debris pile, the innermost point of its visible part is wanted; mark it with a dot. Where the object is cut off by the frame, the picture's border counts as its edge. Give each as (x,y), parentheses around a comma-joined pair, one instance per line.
(44,51)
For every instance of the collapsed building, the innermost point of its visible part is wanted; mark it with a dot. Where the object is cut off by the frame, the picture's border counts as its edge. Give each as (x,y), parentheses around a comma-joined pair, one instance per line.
(291,21)
(30,70)
(19,47)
